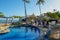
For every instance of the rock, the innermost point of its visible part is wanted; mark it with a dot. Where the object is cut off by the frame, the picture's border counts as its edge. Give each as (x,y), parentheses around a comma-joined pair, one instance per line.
(55,34)
(4,31)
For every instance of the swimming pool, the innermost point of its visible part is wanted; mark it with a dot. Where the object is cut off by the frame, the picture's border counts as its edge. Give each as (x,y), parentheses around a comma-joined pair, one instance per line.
(20,34)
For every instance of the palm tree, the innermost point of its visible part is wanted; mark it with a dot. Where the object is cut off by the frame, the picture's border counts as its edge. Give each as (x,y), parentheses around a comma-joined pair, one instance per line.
(39,2)
(25,1)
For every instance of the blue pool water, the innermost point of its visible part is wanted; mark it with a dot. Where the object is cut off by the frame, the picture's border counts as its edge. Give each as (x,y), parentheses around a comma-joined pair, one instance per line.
(20,34)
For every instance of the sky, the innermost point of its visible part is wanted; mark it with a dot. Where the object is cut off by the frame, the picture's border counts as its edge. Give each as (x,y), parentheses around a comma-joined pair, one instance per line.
(16,7)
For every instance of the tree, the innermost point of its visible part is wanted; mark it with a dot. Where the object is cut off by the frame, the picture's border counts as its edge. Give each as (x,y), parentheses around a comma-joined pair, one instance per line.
(1,14)
(54,10)
(15,17)
(58,13)
(39,2)
(25,1)
(52,15)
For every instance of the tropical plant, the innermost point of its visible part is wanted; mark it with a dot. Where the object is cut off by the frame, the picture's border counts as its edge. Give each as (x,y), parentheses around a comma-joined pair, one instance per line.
(58,13)
(1,14)
(39,2)
(25,1)
(19,17)
(16,17)
(52,15)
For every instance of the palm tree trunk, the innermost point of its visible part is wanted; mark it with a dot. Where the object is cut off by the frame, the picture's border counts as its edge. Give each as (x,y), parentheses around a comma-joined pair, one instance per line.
(40,8)
(25,9)
(25,12)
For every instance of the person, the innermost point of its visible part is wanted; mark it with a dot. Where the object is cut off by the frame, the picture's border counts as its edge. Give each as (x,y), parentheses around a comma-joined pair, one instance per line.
(39,22)
(36,22)
(44,24)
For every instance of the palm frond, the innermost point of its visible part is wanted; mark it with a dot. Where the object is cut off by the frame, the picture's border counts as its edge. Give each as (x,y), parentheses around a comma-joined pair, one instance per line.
(27,1)
(40,2)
